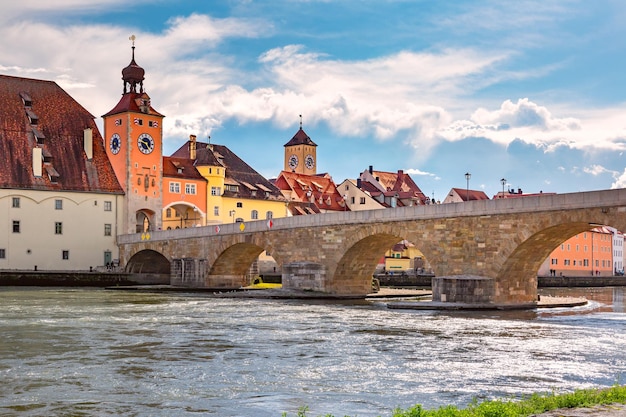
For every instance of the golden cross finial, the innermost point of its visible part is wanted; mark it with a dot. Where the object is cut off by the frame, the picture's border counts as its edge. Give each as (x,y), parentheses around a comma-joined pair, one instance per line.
(132,38)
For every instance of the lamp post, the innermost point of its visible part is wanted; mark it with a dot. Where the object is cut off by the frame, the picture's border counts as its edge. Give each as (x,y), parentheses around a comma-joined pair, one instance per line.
(503,181)
(232,214)
(467,178)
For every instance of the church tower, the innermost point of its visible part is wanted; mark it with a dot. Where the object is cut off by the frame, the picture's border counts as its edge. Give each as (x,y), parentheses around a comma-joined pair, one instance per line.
(300,154)
(133,134)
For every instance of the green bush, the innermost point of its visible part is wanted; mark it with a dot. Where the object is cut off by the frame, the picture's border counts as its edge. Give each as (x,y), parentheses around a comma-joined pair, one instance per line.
(527,406)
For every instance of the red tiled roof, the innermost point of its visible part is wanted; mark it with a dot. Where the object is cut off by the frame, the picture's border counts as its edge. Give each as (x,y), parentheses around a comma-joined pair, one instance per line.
(324,193)
(61,120)
(180,168)
(473,194)
(128,102)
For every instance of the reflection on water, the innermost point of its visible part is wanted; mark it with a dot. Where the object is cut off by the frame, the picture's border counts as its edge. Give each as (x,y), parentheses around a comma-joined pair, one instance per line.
(99,353)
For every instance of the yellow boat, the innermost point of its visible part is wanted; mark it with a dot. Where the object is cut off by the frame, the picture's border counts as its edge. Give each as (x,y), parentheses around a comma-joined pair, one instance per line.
(258,284)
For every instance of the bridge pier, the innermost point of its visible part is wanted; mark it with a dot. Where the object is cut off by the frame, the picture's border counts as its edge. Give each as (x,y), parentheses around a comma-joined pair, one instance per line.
(304,276)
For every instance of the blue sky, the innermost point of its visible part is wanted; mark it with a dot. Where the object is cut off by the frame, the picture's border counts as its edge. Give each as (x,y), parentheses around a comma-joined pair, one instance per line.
(531,91)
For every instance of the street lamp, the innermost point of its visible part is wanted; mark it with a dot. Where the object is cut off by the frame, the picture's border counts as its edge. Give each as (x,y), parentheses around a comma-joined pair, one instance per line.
(503,181)
(232,214)
(467,178)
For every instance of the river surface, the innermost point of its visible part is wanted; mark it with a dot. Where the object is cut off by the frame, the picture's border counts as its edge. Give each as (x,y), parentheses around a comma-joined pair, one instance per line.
(93,352)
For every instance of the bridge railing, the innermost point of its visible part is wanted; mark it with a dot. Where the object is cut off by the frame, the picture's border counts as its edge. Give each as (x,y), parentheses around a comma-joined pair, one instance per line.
(547,202)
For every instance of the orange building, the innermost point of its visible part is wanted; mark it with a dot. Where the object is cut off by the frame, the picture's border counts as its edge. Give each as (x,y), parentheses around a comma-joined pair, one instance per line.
(184,194)
(587,253)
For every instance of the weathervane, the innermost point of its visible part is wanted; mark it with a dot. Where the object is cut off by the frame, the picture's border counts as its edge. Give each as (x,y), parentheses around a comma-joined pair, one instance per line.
(132,38)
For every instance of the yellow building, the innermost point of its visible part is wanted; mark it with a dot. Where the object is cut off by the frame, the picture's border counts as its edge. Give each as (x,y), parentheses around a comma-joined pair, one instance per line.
(235,192)
(404,256)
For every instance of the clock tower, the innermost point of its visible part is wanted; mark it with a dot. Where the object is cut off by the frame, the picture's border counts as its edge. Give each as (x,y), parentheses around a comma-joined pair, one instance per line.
(300,154)
(133,134)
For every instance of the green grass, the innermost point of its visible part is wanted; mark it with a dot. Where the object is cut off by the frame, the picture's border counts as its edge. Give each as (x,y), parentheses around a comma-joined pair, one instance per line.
(527,406)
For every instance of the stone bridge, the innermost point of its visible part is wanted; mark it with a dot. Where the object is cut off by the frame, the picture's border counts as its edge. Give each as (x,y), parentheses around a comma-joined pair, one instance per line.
(505,240)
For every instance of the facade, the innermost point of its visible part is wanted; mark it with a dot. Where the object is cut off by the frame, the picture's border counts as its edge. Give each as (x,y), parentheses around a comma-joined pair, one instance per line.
(133,132)
(234,191)
(357,198)
(585,254)
(59,193)
(404,257)
(391,189)
(184,194)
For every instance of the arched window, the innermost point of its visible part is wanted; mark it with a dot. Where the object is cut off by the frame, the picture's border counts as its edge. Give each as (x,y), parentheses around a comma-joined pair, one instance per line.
(254,215)
(269,215)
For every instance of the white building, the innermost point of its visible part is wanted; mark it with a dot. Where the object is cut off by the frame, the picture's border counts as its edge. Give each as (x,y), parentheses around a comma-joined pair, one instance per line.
(59,196)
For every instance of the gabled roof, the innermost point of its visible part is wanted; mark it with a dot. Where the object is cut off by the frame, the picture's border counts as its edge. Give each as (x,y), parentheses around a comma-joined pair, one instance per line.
(180,168)
(471,194)
(60,121)
(250,184)
(300,138)
(312,191)
(391,184)
(128,103)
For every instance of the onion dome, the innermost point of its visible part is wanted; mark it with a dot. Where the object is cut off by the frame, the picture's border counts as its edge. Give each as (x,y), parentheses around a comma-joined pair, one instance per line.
(133,76)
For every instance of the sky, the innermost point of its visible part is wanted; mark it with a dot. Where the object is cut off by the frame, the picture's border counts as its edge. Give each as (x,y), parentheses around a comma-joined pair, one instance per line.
(528,91)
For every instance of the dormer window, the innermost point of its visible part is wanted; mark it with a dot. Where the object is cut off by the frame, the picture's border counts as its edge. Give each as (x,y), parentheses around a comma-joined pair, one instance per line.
(28,102)
(32,117)
(39,136)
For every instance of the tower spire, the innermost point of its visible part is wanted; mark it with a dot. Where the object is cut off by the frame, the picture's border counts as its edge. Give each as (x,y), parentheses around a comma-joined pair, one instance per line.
(133,74)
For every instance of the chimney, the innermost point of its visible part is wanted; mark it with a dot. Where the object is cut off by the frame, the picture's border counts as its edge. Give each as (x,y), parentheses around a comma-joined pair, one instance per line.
(88,142)
(192,146)
(358,183)
(371,169)
(37,162)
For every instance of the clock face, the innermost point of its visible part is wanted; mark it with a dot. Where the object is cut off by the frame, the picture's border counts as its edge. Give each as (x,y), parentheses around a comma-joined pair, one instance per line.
(145,143)
(293,161)
(115,143)
(309,161)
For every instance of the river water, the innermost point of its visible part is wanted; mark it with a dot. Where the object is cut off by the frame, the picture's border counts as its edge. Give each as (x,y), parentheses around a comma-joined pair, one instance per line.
(93,352)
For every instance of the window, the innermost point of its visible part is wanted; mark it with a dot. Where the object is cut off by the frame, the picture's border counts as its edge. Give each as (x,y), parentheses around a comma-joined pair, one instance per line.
(566,262)
(3,253)
(216,191)
(254,215)
(585,262)
(554,261)
(351,200)
(269,215)
(175,187)
(362,200)
(16,226)
(65,254)
(107,229)
(190,188)
(168,213)
(16,202)
(232,188)
(58,228)
(216,210)
(107,206)
(58,204)
(239,204)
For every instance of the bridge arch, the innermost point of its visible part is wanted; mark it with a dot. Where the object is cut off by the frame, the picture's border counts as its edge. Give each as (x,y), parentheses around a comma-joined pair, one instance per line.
(148,261)
(357,264)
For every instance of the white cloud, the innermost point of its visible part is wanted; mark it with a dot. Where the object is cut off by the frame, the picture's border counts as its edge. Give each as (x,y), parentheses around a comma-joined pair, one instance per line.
(620,181)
